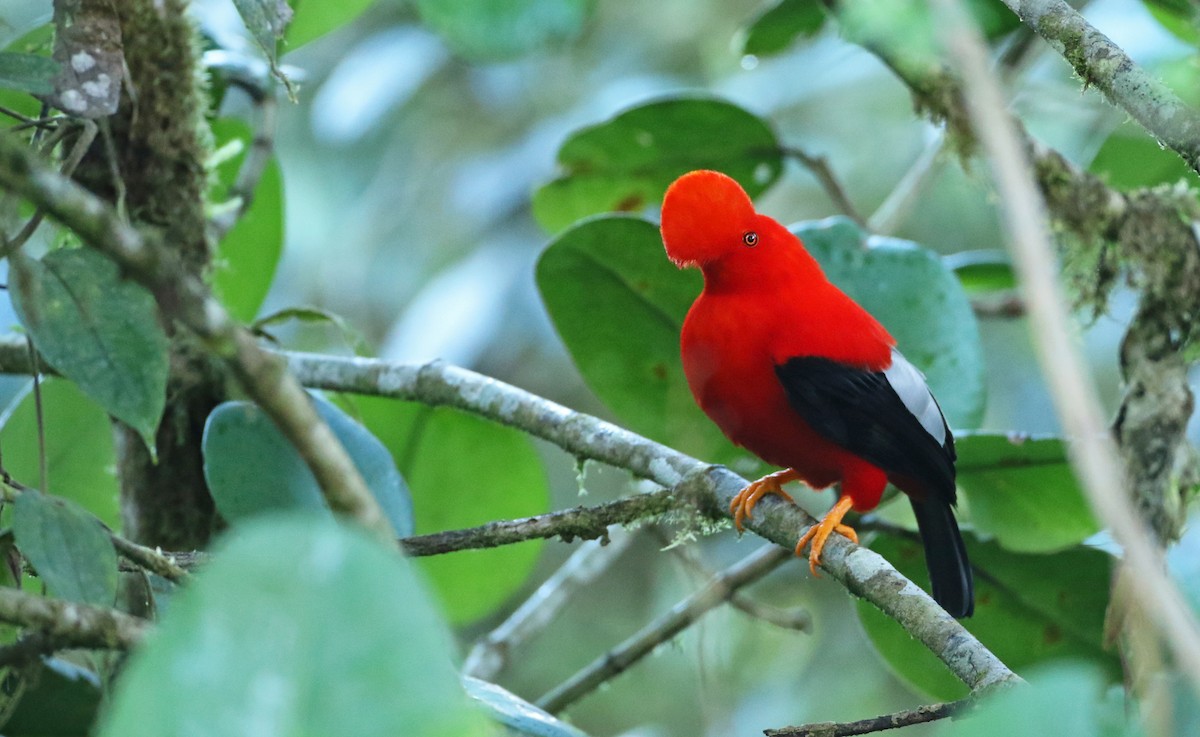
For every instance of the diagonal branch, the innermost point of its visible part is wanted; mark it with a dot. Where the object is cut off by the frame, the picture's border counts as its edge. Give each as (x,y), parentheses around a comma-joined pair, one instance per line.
(710,488)
(185,298)
(1103,64)
(619,659)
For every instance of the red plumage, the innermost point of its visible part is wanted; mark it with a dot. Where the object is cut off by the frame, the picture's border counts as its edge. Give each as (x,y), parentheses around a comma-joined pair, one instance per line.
(792,369)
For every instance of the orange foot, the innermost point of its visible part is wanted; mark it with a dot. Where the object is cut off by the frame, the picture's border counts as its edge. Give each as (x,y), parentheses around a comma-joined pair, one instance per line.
(821,531)
(743,504)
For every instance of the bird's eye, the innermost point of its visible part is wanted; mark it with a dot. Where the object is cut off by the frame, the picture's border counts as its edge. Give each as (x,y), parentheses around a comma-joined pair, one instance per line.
(750,238)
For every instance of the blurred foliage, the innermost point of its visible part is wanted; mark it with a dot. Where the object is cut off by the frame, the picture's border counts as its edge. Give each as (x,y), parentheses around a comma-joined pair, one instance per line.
(403,213)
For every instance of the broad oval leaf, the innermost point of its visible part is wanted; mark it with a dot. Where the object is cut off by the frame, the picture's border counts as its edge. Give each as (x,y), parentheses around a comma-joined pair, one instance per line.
(246,258)
(464,471)
(619,304)
(1029,609)
(298,626)
(1022,491)
(79,447)
(69,548)
(919,301)
(626,163)
(251,468)
(488,30)
(777,27)
(98,330)
(514,712)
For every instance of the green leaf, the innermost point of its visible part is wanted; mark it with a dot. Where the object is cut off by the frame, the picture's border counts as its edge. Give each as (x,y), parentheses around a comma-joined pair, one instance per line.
(982,271)
(486,30)
(266,20)
(919,301)
(246,258)
(98,330)
(68,548)
(1022,491)
(79,447)
(315,18)
(778,27)
(1029,609)
(520,716)
(251,468)
(627,162)
(1073,697)
(619,304)
(1130,159)
(27,72)
(299,626)
(61,700)
(464,471)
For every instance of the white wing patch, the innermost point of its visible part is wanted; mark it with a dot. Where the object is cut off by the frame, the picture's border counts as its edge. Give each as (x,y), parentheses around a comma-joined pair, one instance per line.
(909,384)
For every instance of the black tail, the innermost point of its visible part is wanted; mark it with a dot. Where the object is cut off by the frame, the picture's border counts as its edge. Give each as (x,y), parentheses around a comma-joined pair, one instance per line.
(946,557)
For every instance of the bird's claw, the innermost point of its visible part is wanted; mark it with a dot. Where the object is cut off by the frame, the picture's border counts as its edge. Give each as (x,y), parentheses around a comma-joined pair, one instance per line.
(743,503)
(819,533)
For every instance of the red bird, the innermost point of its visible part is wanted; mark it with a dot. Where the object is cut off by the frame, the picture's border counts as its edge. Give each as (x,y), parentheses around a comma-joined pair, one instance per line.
(796,372)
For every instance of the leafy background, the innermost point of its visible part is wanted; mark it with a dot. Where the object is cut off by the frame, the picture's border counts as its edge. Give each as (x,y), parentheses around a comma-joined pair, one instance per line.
(425,202)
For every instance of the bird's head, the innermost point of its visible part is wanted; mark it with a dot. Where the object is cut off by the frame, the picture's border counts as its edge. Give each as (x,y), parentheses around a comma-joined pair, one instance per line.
(706,215)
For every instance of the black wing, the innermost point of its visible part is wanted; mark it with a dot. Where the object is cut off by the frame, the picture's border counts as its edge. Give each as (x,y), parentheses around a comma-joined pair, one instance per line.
(864,412)
(890,419)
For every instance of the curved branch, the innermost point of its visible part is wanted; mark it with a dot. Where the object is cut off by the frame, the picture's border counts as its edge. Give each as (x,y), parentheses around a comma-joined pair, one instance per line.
(710,488)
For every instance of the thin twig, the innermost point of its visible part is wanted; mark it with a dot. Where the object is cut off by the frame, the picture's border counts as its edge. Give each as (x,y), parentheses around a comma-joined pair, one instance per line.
(184,297)
(492,653)
(798,619)
(587,523)
(258,156)
(819,167)
(617,660)
(151,560)
(1093,452)
(920,715)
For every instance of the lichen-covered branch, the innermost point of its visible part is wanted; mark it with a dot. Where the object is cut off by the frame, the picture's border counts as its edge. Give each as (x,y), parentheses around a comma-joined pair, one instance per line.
(71,624)
(1102,64)
(185,298)
(588,523)
(708,488)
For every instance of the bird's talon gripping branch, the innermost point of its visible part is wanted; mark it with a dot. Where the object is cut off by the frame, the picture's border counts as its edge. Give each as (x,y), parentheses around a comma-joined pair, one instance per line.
(819,533)
(743,503)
